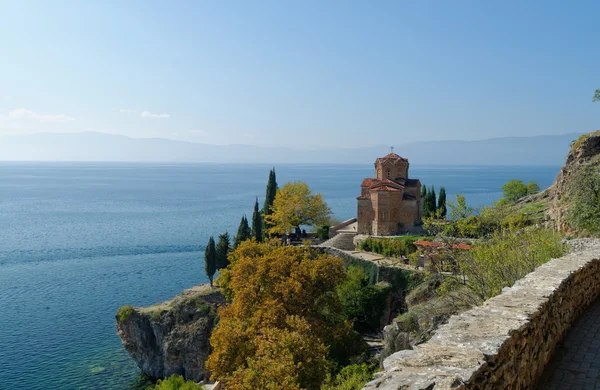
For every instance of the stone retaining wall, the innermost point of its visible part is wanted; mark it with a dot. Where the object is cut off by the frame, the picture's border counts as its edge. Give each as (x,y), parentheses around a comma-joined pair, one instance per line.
(506,342)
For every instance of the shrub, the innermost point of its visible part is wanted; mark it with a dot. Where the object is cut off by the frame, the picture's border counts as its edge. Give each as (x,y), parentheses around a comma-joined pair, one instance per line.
(584,213)
(507,257)
(323,232)
(352,377)
(124,312)
(176,382)
(391,247)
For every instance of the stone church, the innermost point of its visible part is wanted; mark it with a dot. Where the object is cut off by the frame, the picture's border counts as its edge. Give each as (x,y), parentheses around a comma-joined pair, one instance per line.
(390,203)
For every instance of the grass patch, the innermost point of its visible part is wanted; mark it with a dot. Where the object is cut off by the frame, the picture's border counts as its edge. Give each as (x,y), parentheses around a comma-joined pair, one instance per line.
(580,140)
(125,312)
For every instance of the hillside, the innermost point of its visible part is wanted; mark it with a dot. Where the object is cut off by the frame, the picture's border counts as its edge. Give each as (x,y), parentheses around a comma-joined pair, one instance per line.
(87,146)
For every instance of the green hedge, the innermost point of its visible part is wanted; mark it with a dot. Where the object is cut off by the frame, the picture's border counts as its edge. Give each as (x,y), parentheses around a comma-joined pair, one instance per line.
(392,247)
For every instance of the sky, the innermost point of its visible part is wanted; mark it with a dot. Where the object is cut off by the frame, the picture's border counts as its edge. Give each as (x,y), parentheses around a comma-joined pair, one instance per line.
(300,73)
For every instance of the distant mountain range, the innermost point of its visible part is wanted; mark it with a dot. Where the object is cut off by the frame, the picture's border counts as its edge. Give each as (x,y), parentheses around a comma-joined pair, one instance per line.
(88,146)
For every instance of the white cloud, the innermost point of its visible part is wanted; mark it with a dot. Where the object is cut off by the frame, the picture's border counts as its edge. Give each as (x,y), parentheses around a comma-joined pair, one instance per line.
(148,114)
(23,113)
(127,110)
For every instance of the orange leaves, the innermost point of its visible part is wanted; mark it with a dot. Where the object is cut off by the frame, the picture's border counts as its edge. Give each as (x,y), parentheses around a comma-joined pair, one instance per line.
(284,312)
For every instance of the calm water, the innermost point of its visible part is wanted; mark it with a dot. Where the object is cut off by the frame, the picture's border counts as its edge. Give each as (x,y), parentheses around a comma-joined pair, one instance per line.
(77,241)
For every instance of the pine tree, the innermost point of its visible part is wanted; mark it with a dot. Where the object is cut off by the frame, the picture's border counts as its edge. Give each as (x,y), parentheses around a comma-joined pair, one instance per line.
(270,197)
(442,203)
(244,233)
(423,191)
(222,250)
(257,223)
(210,259)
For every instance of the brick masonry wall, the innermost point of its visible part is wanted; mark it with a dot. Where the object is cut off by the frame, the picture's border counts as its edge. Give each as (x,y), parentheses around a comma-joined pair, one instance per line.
(505,343)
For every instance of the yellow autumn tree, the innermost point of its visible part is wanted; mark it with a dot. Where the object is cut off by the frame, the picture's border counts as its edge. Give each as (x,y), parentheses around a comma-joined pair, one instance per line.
(284,325)
(296,205)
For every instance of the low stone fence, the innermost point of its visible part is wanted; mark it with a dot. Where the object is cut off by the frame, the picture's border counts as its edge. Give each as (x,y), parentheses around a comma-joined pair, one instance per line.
(506,342)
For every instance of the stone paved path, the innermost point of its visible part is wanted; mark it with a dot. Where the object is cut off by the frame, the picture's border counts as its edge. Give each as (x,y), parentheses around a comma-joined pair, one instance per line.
(576,363)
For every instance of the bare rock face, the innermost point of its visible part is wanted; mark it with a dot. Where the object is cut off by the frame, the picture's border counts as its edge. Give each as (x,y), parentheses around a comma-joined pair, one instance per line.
(172,337)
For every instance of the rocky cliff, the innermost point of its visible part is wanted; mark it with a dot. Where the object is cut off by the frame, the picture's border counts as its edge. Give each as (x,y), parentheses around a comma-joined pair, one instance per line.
(172,337)
(584,151)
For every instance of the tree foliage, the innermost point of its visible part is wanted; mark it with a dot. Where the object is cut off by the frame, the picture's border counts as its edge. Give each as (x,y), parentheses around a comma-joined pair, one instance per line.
(584,212)
(257,223)
(244,232)
(596,97)
(222,251)
(210,259)
(441,206)
(429,203)
(352,377)
(284,321)
(176,382)
(269,196)
(514,190)
(296,205)
(363,302)
(459,208)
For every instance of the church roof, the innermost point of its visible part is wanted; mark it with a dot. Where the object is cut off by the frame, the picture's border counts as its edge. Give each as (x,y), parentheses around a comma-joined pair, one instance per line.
(386,188)
(390,156)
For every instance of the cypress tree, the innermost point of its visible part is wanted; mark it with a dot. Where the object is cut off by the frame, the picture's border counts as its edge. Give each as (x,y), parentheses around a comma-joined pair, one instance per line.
(432,201)
(423,191)
(222,250)
(271,192)
(257,223)
(244,233)
(270,197)
(442,202)
(210,259)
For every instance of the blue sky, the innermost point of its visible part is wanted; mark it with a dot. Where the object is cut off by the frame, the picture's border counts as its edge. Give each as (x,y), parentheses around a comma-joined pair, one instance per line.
(306,73)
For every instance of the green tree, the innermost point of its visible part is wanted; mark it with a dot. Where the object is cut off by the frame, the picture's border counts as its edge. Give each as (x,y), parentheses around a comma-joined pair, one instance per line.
(210,259)
(442,203)
(423,191)
(514,190)
(222,251)
(459,208)
(596,97)
(269,197)
(296,205)
(244,232)
(257,223)
(429,206)
(363,303)
(532,188)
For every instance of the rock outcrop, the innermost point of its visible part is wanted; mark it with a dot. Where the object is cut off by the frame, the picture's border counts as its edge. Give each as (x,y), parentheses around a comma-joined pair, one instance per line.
(172,337)
(584,151)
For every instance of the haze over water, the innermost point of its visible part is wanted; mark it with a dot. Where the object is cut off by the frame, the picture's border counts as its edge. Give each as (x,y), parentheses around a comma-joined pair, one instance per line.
(79,240)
